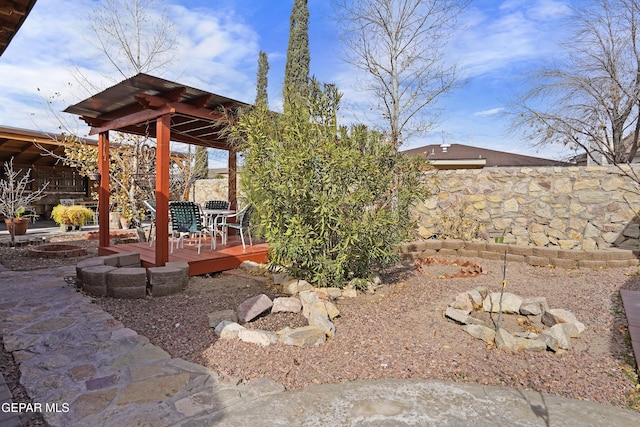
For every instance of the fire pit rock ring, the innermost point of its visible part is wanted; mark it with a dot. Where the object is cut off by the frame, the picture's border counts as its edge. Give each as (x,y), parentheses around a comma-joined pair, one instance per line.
(508,321)
(56,250)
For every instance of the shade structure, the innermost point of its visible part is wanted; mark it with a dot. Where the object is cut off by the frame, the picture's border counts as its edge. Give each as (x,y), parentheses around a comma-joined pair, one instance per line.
(167,111)
(12,15)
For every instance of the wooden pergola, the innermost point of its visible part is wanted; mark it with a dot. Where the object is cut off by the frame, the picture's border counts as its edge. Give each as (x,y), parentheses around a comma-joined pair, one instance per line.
(167,111)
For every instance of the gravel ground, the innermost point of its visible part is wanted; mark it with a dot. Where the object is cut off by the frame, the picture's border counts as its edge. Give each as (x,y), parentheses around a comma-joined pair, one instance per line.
(400,332)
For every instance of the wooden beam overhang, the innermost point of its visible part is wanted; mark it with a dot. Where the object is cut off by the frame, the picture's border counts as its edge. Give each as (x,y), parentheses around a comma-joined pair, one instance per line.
(131,119)
(188,109)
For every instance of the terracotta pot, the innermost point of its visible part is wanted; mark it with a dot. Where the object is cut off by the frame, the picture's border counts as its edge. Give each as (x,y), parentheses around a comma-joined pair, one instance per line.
(125,223)
(20,225)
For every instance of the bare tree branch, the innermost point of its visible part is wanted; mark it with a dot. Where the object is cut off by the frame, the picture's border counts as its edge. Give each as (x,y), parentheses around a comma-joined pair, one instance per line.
(591,100)
(399,43)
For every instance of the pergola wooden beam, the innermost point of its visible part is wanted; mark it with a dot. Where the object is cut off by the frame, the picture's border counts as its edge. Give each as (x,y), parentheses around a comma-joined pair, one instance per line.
(131,119)
(163,139)
(103,190)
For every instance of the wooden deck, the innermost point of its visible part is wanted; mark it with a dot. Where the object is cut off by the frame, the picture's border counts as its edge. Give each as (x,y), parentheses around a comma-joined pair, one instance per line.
(208,261)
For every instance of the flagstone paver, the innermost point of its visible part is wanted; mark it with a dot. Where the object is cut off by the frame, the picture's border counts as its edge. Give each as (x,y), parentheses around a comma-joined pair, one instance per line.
(89,369)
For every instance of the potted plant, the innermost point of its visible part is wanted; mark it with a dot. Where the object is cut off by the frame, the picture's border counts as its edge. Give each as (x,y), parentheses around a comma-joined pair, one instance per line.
(70,217)
(15,195)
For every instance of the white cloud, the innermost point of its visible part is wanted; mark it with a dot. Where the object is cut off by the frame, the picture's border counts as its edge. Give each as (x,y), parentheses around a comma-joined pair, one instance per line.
(217,51)
(491,112)
(491,40)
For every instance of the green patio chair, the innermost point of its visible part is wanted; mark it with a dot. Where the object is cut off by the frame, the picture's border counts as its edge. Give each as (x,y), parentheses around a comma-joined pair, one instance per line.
(186,220)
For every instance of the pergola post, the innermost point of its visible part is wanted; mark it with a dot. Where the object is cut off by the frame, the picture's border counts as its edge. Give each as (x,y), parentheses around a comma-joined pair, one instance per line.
(232,177)
(103,190)
(163,137)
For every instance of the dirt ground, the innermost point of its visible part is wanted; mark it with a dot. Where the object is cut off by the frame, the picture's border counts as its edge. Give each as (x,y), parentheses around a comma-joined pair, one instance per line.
(400,331)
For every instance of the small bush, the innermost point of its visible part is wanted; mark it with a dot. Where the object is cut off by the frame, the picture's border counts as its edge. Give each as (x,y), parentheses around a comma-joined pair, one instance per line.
(75,215)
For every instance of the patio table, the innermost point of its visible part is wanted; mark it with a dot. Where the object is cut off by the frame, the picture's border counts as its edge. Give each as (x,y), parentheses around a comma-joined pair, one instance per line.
(211,215)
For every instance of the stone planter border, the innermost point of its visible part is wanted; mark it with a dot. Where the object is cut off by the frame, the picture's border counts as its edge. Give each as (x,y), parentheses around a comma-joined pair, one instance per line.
(538,256)
(122,276)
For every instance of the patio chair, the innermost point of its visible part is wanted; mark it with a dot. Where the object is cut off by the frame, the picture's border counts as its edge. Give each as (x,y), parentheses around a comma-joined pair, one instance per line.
(185,221)
(215,204)
(244,223)
(151,206)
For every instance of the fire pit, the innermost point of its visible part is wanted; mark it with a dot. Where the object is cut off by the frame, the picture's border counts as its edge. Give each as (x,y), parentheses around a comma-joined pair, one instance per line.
(56,250)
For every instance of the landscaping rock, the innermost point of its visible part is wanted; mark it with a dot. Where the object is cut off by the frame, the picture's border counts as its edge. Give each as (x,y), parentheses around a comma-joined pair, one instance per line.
(331,309)
(528,344)
(463,302)
(459,316)
(529,337)
(253,307)
(510,303)
(506,341)
(476,298)
(556,338)
(280,278)
(554,316)
(481,332)
(349,293)
(295,286)
(534,306)
(287,305)
(308,298)
(256,336)
(253,267)
(304,337)
(227,330)
(218,316)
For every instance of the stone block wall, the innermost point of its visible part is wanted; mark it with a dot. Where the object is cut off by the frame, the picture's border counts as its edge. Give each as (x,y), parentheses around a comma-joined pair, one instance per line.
(210,189)
(563,207)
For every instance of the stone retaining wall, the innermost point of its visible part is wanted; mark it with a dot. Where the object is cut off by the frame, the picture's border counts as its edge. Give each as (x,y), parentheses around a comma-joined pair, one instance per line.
(210,189)
(539,256)
(558,207)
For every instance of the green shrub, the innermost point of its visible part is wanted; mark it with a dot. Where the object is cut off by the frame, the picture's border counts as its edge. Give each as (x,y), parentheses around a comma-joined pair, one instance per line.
(331,201)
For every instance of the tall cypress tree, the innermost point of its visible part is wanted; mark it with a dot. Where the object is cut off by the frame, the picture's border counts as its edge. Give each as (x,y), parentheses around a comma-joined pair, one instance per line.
(296,74)
(201,166)
(262,98)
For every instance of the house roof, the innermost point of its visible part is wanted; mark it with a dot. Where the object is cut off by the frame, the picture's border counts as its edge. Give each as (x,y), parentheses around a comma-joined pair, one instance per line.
(34,148)
(26,146)
(197,117)
(12,15)
(460,156)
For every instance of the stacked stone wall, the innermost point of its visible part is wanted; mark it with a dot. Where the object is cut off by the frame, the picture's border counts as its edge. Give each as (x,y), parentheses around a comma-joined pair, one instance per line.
(581,208)
(210,189)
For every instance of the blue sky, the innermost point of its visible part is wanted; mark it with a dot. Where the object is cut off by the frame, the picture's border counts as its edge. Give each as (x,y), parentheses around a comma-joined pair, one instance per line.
(497,41)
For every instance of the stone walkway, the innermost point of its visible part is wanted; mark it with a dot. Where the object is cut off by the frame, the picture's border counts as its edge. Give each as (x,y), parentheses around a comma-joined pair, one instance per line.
(84,368)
